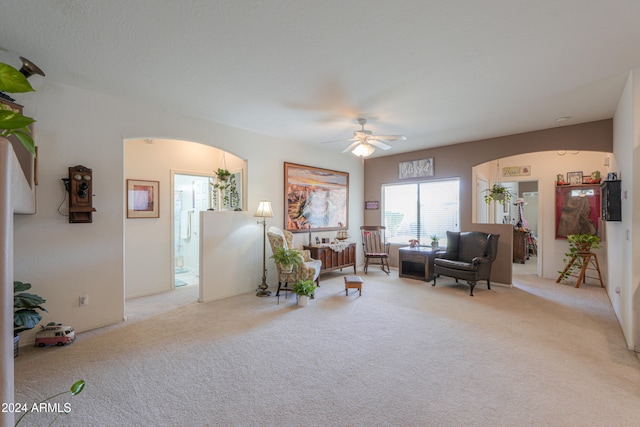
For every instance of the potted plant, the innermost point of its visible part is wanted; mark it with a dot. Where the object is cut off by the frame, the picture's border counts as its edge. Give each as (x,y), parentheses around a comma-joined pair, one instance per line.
(13,122)
(25,314)
(498,193)
(434,241)
(578,244)
(287,258)
(222,174)
(304,289)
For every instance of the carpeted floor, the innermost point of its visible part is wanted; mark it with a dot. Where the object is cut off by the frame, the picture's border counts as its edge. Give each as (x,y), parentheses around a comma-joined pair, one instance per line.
(403,354)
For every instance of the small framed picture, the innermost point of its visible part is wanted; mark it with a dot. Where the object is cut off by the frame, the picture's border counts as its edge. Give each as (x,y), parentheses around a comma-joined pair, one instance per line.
(574,178)
(143,199)
(372,205)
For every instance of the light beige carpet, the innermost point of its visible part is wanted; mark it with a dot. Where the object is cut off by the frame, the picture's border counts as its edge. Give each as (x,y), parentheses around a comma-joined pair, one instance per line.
(403,354)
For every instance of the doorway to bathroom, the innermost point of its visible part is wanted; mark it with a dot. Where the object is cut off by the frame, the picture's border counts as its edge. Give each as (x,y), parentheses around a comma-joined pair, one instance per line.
(191,194)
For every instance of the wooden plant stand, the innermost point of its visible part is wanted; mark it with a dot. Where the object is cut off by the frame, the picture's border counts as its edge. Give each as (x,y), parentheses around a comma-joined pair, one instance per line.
(587,258)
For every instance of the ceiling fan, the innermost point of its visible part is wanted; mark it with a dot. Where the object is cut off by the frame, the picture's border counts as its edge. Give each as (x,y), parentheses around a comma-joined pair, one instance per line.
(364,143)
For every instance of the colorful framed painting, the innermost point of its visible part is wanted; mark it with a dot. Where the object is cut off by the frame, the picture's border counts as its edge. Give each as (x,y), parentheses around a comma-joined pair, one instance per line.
(316,198)
(577,210)
(143,199)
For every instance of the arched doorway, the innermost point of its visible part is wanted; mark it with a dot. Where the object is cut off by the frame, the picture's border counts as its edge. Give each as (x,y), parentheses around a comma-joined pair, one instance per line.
(149,242)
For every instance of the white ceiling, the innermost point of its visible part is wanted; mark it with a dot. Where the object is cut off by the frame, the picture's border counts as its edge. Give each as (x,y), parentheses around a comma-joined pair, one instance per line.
(439,72)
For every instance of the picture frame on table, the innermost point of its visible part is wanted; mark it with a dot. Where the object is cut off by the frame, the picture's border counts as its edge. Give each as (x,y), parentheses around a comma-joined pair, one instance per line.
(574,178)
(143,198)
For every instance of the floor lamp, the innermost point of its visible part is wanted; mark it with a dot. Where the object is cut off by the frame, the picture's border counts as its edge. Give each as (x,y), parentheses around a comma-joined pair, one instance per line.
(264,211)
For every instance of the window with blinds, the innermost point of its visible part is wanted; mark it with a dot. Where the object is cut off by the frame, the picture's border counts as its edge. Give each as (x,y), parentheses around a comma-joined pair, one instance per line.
(421,209)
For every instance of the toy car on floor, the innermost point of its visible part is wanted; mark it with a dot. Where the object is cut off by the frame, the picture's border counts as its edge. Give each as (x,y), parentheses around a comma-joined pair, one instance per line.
(55,334)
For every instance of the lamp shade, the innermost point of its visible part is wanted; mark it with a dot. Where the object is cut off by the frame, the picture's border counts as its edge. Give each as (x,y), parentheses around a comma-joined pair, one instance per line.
(264,210)
(363,150)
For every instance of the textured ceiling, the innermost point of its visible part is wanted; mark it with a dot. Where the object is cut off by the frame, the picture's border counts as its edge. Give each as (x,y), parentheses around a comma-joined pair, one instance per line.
(439,72)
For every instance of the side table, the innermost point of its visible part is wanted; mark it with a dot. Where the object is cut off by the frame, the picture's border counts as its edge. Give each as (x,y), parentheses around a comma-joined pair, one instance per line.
(417,262)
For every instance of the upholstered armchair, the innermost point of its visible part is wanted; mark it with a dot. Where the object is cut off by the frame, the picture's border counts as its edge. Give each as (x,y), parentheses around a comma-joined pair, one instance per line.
(308,270)
(469,256)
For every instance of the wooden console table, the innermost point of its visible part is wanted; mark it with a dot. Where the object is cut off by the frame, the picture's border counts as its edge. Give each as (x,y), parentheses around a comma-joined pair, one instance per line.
(332,260)
(417,263)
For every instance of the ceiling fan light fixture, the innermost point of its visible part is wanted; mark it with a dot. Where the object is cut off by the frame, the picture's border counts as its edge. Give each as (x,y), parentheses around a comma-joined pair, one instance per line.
(363,150)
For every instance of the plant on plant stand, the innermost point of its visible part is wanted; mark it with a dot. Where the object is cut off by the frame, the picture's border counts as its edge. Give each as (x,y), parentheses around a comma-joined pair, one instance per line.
(304,289)
(578,244)
(287,259)
(25,314)
(13,122)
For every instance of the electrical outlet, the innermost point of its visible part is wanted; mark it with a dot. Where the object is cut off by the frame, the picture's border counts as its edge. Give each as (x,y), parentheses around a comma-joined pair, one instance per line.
(84,300)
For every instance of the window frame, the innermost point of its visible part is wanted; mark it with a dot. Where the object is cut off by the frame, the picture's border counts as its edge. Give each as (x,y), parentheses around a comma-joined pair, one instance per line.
(418,184)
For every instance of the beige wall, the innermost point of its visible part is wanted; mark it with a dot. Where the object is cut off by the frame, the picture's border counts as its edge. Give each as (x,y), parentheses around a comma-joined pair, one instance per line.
(457,160)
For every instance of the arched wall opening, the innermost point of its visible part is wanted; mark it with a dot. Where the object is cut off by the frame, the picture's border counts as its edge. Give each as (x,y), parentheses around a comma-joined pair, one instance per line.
(517,173)
(150,256)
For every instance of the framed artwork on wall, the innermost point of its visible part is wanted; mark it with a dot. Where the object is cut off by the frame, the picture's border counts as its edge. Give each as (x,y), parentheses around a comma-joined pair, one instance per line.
(416,168)
(577,210)
(143,199)
(316,198)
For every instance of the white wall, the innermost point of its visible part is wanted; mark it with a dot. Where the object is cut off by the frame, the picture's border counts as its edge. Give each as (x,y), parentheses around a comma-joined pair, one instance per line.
(544,168)
(78,127)
(623,245)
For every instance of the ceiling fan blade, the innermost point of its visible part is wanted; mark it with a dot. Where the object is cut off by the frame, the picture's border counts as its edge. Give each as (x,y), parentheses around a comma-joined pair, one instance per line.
(351,147)
(338,140)
(389,137)
(378,144)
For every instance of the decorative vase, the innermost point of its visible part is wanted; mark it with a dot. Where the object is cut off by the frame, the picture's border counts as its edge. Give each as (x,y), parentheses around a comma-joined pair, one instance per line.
(434,245)
(303,300)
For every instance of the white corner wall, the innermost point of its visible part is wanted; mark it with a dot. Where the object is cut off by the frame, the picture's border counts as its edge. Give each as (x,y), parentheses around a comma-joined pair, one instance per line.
(624,246)
(231,247)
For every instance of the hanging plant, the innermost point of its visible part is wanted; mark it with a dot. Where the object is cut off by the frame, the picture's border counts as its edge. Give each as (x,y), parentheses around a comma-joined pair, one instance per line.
(222,174)
(226,184)
(498,193)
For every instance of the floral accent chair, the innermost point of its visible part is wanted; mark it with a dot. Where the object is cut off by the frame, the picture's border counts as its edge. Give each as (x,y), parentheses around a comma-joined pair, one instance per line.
(309,270)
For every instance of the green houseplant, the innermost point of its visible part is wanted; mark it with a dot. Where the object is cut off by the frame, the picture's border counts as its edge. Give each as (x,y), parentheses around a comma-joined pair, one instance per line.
(498,193)
(287,258)
(226,185)
(304,289)
(434,240)
(13,122)
(25,311)
(578,244)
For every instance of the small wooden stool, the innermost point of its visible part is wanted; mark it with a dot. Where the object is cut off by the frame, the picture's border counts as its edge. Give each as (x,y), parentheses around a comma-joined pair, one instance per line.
(353,282)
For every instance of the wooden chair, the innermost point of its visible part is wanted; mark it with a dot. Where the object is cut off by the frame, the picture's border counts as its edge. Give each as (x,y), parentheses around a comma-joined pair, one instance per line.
(375,246)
